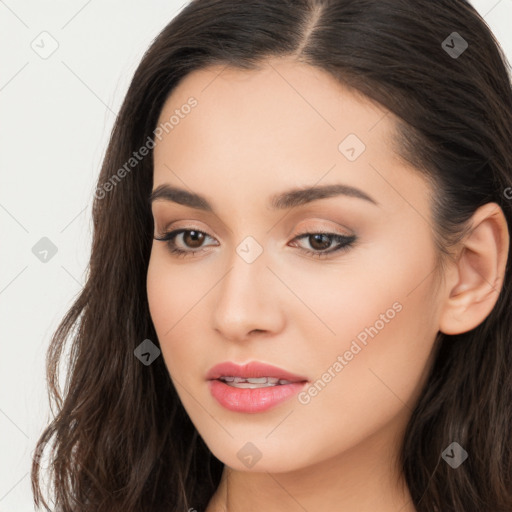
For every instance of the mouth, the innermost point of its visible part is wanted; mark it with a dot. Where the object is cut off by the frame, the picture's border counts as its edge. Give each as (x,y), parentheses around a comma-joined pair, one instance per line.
(253,387)
(254,373)
(254,383)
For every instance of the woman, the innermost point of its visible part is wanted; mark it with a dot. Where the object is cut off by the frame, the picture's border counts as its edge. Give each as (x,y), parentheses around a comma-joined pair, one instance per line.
(299,288)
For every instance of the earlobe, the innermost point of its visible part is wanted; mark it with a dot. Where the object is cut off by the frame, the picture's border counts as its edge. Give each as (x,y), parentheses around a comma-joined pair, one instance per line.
(478,272)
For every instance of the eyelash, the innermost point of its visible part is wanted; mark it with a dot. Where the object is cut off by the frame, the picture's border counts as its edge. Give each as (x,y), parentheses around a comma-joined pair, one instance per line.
(345,242)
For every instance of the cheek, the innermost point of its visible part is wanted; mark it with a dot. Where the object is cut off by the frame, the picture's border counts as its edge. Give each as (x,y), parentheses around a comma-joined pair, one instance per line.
(380,295)
(166,298)
(383,312)
(174,297)
(161,300)
(360,387)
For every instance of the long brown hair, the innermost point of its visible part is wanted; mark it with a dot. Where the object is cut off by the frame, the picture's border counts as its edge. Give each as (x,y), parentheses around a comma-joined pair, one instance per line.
(120,439)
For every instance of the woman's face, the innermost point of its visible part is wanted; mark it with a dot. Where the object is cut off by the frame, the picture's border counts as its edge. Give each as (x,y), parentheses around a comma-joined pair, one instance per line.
(357,323)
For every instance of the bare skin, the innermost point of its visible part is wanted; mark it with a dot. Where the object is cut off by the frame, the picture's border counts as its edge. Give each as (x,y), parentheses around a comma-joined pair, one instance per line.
(254,134)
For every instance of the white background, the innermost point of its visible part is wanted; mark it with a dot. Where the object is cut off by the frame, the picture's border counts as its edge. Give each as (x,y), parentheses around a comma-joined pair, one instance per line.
(56,116)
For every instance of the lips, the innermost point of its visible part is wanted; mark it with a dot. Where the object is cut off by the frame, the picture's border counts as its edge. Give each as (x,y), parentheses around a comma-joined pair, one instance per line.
(253,369)
(227,384)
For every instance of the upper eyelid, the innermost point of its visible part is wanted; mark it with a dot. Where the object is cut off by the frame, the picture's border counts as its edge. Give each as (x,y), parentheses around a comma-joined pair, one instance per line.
(301,232)
(345,231)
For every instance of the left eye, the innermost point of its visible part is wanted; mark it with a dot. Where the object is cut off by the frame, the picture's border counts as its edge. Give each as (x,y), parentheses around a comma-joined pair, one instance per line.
(193,240)
(320,242)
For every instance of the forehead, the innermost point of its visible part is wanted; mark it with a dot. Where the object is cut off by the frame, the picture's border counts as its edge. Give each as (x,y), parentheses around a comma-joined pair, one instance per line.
(286,122)
(280,93)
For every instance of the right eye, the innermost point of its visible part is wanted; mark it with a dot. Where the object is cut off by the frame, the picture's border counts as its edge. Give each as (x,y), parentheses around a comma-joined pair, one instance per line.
(192,237)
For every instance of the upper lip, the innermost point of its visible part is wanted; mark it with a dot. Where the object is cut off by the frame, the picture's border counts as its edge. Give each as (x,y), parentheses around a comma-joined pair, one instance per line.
(252,369)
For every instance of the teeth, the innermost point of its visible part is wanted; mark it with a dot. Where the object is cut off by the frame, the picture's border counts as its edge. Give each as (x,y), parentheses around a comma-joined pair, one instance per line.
(254,382)
(257,380)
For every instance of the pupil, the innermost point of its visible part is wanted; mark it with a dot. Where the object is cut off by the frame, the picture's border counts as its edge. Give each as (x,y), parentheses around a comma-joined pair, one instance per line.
(196,237)
(318,238)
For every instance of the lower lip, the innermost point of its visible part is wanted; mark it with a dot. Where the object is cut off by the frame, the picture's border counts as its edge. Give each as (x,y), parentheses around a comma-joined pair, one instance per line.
(252,400)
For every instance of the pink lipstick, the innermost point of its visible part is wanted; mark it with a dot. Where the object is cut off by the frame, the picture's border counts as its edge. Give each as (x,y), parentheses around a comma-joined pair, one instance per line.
(253,387)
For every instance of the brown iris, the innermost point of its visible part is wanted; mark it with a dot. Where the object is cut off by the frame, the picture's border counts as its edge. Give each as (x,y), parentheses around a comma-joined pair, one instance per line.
(318,238)
(193,239)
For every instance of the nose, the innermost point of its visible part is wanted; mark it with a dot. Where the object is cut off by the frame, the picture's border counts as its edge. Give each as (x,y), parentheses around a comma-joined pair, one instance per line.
(248,300)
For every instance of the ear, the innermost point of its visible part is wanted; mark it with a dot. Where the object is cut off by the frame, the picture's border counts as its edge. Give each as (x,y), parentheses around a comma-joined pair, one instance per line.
(476,275)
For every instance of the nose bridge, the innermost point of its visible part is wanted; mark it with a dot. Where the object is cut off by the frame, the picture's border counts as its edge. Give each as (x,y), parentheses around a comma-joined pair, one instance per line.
(247,264)
(249,250)
(245,299)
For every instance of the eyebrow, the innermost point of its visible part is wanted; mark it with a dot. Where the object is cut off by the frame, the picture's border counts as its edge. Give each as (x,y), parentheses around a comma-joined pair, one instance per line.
(284,200)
